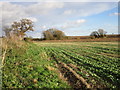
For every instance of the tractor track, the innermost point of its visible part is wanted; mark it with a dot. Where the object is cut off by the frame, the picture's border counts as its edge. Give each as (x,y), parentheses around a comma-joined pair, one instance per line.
(74,79)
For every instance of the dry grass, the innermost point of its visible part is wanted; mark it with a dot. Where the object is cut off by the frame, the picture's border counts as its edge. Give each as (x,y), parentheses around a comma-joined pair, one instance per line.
(51,68)
(9,43)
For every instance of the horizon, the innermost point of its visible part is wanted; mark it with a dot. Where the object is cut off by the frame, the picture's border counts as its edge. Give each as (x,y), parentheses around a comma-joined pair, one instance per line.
(73,18)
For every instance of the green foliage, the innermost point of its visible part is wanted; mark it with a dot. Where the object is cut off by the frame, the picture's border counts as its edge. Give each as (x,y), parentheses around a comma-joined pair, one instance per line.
(28,69)
(98,63)
(99,60)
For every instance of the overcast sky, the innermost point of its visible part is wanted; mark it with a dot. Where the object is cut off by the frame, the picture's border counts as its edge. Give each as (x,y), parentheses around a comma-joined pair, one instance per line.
(73,18)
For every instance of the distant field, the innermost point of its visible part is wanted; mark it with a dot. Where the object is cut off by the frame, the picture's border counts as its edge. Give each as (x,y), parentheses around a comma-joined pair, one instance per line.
(84,40)
(63,65)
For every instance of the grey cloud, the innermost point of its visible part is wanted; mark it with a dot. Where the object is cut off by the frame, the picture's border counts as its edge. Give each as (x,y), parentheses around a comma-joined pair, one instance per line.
(52,13)
(43,8)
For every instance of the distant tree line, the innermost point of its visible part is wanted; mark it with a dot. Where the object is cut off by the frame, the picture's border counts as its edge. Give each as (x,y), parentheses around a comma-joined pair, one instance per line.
(55,34)
(19,28)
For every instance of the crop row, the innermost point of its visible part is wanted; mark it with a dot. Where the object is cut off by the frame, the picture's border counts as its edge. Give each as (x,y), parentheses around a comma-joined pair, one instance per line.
(104,71)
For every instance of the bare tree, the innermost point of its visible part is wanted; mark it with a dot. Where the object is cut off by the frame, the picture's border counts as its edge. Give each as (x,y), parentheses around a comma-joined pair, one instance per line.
(99,33)
(47,35)
(7,31)
(53,34)
(19,28)
(95,34)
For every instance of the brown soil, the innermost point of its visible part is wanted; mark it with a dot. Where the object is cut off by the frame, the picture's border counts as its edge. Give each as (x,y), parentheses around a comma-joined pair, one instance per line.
(84,40)
(75,80)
